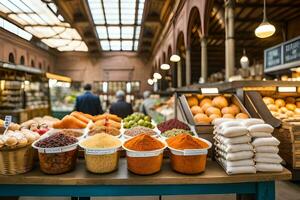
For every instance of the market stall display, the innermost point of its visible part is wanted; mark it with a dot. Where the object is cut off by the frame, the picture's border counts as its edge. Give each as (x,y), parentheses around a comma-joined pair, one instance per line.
(175,132)
(139,130)
(171,124)
(101,153)
(137,119)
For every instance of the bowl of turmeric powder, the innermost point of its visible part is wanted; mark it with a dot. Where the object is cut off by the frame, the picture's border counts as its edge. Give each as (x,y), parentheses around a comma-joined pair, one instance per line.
(144,154)
(188,154)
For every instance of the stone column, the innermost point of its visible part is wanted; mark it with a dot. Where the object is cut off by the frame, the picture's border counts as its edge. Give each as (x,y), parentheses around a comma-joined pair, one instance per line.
(229,39)
(188,66)
(204,59)
(179,78)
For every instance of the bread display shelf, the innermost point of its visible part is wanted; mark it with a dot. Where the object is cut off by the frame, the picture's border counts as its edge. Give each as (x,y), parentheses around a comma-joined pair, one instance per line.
(202,128)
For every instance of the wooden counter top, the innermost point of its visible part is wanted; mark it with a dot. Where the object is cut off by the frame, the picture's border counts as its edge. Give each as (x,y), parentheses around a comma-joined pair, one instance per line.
(213,174)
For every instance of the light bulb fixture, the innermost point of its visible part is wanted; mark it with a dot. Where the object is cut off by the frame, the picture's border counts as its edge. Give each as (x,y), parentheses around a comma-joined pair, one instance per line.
(157,75)
(165,67)
(150,81)
(265,29)
(154,80)
(244,60)
(175,58)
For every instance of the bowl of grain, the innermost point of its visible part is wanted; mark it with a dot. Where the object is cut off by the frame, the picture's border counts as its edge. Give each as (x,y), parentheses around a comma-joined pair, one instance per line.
(101,152)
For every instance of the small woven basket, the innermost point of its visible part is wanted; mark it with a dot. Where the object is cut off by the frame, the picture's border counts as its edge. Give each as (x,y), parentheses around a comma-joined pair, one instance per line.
(16,161)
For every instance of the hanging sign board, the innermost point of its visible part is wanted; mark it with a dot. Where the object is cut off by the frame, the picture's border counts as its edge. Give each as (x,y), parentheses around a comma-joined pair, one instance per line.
(282,56)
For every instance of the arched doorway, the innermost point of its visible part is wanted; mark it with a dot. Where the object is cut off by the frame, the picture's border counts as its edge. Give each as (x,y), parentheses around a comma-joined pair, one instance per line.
(173,69)
(11,58)
(194,42)
(181,49)
(32,63)
(22,60)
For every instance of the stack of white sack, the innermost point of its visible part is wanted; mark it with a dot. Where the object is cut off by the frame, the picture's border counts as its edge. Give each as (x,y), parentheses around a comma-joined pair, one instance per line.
(265,146)
(233,149)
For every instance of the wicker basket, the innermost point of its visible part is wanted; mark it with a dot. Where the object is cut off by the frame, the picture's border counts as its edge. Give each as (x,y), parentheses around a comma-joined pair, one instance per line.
(16,161)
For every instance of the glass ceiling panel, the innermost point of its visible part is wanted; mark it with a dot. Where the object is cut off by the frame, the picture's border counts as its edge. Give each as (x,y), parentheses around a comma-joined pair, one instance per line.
(40,18)
(117,23)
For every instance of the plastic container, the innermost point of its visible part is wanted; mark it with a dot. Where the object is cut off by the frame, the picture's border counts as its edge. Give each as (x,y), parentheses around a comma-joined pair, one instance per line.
(57,160)
(144,162)
(16,161)
(101,160)
(189,161)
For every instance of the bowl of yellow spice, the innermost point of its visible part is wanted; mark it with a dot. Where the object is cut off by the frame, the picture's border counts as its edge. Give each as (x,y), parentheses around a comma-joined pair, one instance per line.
(101,152)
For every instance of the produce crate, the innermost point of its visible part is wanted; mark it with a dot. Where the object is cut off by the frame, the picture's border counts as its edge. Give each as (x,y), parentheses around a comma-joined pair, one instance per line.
(200,128)
(289,137)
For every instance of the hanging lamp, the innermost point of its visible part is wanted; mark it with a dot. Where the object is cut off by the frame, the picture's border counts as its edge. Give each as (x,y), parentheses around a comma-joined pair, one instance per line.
(157,75)
(175,58)
(265,29)
(165,66)
(150,81)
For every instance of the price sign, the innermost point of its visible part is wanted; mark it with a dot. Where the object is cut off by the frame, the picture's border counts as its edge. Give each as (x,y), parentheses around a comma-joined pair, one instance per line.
(7,121)
(292,51)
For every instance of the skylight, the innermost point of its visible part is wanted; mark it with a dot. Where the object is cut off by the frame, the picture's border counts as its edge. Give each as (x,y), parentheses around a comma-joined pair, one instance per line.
(117,23)
(40,18)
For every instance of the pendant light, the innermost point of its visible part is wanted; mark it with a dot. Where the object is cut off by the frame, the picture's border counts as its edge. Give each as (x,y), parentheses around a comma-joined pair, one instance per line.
(175,58)
(244,60)
(165,67)
(265,29)
(150,81)
(157,75)
(154,80)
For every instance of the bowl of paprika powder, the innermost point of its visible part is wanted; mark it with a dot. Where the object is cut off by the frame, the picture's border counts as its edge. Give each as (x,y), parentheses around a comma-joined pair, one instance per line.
(144,154)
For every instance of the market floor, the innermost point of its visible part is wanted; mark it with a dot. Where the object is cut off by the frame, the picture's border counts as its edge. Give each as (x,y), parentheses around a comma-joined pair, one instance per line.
(285,190)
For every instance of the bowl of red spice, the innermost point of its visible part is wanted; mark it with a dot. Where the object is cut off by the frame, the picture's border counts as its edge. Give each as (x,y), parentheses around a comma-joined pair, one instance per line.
(57,153)
(188,154)
(144,154)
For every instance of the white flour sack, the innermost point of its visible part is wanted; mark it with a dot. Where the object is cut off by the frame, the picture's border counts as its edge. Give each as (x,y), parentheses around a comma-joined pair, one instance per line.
(267,149)
(268,167)
(234,140)
(242,155)
(233,131)
(260,134)
(267,128)
(252,121)
(268,141)
(230,148)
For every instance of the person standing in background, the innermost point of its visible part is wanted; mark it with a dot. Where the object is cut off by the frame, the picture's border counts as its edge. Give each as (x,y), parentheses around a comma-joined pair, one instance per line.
(121,108)
(88,103)
(147,103)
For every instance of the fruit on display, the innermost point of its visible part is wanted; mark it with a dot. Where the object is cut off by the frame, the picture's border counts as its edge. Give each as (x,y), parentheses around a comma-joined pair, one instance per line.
(283,108)
(137,119)
(213,107)
(192,101)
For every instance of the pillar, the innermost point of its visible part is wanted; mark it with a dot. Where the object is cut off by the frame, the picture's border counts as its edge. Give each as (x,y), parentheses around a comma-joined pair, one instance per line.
(179,78)
(204,59)
(188,66)
(229,39)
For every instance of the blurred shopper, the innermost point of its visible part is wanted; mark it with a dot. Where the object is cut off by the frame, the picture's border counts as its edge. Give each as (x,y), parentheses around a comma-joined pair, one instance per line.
(148,103)
(88,102)
(121,107)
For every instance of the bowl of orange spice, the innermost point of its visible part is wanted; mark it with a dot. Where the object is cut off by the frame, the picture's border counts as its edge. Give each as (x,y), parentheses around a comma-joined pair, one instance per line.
(144,154)
(188,154)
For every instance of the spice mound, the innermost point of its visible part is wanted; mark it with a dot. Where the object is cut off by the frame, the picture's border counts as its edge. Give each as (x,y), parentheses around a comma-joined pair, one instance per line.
(104,156)
(175,131)
(104,129)
(185,141)
(72,133)
(101,140)
(172,123)
(139,130)
(144,142)
(56,140)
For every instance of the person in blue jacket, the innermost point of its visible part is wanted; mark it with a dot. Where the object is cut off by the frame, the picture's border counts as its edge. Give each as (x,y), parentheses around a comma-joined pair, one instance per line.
(88,102)
(121,108)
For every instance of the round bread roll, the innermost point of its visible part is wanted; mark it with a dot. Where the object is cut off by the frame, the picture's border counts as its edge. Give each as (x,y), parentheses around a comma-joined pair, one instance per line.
(228,110)
(235,108)
(22,142)
(205,101)
(201,118)
(283,110)
(283,116)
(242,116)
(298,104)
(200,96)
(205,106)
(268,100)
(11,141)
(1,143)
(192,101)
(14,127)
(220,102)
(272,107)
(275,114)
(290,100)
(230,116)
(290,106)
(196,109)
(279,103)
(297,111)
(289,113)
(213,110)
(214,116)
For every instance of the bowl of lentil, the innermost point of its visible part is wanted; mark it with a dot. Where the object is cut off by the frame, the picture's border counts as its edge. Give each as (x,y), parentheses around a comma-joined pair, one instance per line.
(57,153)
(173,132)
(130,133)
(144,154)
(188,154)
(101,152)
